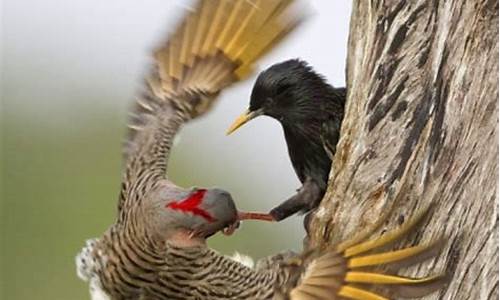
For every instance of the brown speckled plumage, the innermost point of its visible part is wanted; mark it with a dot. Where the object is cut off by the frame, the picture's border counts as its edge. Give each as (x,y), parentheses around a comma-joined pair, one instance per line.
(214,46)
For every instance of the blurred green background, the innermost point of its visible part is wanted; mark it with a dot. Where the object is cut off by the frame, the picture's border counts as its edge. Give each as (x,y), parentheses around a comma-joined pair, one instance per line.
(69,70)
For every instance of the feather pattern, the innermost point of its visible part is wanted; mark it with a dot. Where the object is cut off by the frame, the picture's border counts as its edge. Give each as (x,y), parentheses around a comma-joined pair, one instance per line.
(213,47)
(339,272)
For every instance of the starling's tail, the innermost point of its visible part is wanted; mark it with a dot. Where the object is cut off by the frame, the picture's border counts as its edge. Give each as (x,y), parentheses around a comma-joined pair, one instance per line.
(217,45)
(346,272)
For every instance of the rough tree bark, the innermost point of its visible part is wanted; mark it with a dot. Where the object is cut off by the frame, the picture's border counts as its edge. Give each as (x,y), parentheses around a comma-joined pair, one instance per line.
(421,126)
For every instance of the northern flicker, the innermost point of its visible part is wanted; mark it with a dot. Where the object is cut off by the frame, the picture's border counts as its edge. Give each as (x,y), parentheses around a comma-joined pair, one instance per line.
(156,248)
(310,111)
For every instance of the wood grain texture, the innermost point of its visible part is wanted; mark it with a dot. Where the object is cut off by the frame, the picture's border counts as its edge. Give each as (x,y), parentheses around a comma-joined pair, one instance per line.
(421,127)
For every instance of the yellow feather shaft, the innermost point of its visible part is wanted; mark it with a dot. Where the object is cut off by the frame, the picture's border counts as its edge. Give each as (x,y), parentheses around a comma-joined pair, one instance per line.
(258,14)
(375,278)
(274,28)
(235,43)
(175,67)
(187,57)
(358,294)
(387,238)
(206,15)
(232,24)
(386,257)
(222,13)
(365,233)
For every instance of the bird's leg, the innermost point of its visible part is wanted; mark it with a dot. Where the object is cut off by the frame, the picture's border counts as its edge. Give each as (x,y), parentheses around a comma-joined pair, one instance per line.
(307,198)
(242,216)
(255,216)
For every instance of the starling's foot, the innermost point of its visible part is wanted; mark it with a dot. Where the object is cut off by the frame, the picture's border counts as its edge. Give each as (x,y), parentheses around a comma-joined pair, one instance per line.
(279,214)
(306,199)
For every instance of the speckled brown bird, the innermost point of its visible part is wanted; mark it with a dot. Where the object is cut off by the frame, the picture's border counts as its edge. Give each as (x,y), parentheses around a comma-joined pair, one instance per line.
(156,249)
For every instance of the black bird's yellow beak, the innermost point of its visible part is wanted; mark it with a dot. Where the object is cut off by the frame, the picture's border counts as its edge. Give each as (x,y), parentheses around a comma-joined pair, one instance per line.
(242,119)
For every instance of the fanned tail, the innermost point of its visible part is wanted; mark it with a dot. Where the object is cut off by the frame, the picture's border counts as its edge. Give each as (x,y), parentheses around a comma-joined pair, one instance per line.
(344,272)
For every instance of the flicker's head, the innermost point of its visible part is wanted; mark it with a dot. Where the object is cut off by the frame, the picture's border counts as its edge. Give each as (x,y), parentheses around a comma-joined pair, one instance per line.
(191,213)
(288,92)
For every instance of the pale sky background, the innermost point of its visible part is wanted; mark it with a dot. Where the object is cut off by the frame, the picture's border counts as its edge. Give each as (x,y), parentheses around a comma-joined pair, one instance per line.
(69,65)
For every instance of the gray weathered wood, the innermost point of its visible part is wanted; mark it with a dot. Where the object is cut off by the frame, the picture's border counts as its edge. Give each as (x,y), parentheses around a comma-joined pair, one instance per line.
(421,126)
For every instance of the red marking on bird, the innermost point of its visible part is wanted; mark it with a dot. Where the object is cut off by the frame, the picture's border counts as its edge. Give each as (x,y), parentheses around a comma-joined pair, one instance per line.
(191,204)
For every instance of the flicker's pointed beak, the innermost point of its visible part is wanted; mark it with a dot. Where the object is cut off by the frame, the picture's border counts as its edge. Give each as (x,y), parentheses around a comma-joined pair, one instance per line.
(242,119)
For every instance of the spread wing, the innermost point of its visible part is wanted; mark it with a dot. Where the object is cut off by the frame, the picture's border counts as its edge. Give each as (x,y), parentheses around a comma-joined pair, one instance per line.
(214,46)
(344,271)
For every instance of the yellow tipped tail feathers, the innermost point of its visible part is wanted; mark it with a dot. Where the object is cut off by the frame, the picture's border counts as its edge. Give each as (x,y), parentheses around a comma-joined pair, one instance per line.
(218,43)
(344,272)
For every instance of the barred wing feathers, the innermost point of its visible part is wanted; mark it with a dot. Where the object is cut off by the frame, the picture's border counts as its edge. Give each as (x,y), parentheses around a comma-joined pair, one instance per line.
(214,46)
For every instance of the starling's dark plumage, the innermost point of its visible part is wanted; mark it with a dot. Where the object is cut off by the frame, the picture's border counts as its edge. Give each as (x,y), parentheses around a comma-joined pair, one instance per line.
(310,111)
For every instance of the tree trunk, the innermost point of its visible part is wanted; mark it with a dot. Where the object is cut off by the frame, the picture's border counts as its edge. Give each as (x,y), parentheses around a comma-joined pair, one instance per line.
(421,127)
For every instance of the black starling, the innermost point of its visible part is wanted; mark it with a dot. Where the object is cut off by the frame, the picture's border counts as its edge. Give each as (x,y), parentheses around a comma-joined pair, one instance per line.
(310,111)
